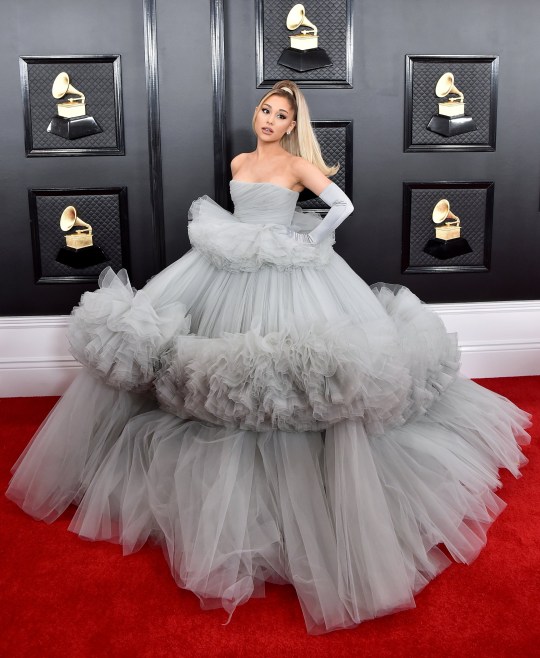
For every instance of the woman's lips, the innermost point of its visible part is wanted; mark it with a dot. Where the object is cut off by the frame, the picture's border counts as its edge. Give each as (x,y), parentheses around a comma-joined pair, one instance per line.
(268,131)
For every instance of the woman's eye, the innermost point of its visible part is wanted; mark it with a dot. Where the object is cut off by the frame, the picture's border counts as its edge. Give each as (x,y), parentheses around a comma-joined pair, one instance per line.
(281,116)
(265,110)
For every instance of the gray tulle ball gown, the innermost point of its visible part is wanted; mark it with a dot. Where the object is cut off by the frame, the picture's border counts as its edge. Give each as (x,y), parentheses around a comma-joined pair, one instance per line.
(264,415)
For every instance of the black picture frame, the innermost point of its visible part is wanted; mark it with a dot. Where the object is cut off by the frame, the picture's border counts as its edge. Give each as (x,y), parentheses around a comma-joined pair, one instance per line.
(476,76)
(104,208)
(99,77)
(335,23)
(336,140)
(472,201)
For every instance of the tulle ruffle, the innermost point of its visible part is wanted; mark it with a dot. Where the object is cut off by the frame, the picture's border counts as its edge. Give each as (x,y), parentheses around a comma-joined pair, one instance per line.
(238,246)
(352,517)
(353,522)
(304,378)
(292,380)
(60,463)
(431,353)
(118,334)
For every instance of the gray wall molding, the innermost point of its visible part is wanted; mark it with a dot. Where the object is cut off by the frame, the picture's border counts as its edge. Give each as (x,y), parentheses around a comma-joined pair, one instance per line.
(221,159)
(154,131)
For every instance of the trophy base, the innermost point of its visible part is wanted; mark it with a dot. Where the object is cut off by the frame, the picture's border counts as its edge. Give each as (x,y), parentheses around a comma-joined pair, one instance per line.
(304,60)
(74,127)
(79,258)
(445,249)
(451,126)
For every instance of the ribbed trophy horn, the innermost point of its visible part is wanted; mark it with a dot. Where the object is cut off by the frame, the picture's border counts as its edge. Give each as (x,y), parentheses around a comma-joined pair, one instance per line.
(445,86)
(297,17)
(61,87)
(69,219)
(441,212)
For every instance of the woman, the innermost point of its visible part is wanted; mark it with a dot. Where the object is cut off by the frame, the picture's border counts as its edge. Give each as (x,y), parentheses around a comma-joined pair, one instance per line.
(264,415)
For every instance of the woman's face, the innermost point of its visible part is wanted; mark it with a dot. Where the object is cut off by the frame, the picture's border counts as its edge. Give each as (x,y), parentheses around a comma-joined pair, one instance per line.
(273,119)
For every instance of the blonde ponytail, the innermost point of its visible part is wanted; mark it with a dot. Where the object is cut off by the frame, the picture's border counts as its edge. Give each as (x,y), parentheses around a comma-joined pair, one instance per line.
(302,141)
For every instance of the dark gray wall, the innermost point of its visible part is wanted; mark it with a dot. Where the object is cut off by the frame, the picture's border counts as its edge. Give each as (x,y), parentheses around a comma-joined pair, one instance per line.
(185,74)
(384,32)
(32,27)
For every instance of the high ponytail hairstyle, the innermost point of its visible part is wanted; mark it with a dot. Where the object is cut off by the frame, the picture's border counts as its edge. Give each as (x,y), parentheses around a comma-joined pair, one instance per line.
(302,141)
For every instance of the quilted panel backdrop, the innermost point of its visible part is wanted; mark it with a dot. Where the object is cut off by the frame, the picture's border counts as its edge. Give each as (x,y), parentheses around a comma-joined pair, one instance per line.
(334,142)
(473,79)
(470,205)
(330,17)
(95,80)
(101,211)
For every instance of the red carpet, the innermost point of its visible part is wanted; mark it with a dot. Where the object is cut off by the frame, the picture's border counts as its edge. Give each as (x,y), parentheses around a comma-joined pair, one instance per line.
(64,597)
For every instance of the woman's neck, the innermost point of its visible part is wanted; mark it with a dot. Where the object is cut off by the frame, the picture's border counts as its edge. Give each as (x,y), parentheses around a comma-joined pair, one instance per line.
(268,150)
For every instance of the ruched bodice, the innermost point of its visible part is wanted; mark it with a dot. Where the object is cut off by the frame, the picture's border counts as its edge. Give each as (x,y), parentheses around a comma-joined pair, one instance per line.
(263,203)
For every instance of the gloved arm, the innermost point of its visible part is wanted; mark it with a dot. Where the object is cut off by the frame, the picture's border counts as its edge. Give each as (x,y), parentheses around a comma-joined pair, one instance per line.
(340,208)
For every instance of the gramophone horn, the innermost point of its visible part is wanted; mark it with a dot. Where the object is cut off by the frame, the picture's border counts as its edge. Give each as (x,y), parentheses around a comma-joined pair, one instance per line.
(445,86)
(441,212)
(61,87)
(69,219)
(297,17)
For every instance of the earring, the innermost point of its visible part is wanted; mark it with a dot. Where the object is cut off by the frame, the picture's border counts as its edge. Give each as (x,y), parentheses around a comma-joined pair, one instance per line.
(288,132)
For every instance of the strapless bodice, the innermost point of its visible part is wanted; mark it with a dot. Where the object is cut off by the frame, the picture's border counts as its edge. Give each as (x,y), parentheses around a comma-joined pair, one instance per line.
(263,203)
(257,234)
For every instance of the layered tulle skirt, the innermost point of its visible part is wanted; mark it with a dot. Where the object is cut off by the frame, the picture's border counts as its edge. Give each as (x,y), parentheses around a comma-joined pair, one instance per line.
(273,420)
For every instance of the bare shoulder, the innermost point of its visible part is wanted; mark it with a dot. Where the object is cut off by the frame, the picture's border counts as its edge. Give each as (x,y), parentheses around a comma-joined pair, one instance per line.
(300,166)
(238,161)
(309,175)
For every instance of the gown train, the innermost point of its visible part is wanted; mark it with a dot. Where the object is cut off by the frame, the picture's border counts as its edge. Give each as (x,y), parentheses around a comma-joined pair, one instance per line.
(264,415)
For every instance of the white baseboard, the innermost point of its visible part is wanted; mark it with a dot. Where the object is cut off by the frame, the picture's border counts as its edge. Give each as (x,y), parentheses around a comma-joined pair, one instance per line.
(498,339)
(34,356)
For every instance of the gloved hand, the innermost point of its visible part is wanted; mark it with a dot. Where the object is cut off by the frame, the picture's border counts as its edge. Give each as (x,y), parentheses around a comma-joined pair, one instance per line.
(299,237)
(340,208)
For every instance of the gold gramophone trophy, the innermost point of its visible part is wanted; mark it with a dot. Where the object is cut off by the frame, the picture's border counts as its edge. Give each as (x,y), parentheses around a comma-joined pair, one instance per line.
(80,250)
(71,120)
(451,119)
(304,53)
(448,242)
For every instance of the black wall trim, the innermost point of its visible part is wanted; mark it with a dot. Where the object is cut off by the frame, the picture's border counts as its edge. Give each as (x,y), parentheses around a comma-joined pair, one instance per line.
(221,159)
(154,131)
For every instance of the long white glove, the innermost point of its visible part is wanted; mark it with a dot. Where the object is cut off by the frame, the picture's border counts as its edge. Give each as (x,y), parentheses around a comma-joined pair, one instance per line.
(340,208)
